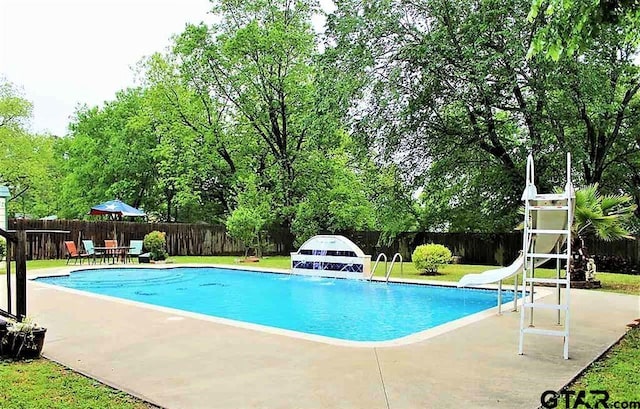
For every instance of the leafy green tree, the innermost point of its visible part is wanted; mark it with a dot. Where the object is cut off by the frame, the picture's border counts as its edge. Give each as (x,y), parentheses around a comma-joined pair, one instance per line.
(26,160)
(451,101)
(570,26)
(189,110)
(259,62)
(108,155)
(449,94)
(14,109)
(335,200)
(251,219)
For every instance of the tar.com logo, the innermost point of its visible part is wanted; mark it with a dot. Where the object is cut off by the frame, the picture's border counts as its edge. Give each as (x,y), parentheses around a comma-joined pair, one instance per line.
(593,399)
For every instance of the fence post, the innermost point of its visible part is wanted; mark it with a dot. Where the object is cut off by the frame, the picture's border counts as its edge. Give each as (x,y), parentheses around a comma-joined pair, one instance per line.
(21,274)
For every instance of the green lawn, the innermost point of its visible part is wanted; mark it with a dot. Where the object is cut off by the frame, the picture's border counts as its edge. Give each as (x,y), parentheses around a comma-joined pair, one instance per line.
(618,373)
(44,384)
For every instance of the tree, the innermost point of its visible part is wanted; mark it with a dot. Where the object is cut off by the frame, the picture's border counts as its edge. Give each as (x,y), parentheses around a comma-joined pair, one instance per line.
(26,160)
(449,94)
(108,154)
(570,26)
(335,198)
(14,109)
(178,95)
(252,217)
(258,62)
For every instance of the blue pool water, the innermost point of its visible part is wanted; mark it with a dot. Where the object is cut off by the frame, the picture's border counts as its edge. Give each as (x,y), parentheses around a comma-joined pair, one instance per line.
(345,309)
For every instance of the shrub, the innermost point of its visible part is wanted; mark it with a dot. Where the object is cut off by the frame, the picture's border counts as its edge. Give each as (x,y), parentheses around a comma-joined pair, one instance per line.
(3,248)
(155,243)
(247,225)
(428,257)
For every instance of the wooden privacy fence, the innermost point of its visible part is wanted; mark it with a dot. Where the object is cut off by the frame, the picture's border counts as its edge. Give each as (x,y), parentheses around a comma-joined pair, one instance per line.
(182,239)
(207,240)
(474,248)
(496,248)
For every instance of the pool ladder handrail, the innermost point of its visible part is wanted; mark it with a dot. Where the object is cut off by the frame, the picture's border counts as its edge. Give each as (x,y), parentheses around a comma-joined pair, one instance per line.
(373,270)
(393,260)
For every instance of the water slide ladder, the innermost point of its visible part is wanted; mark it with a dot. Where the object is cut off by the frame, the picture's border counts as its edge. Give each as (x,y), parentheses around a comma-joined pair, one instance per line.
(534,205)
(387,267)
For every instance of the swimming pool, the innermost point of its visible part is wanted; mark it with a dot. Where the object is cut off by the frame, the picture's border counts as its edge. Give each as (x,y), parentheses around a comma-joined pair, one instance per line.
(344,309)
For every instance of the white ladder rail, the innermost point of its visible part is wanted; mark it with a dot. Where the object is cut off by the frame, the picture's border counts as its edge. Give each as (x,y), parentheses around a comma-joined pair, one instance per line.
(528,270)
(393,260)
(375,265)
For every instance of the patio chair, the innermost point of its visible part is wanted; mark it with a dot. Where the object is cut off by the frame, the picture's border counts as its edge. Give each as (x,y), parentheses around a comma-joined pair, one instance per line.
(91,251)
(73,253)
(111,253)
(135,249)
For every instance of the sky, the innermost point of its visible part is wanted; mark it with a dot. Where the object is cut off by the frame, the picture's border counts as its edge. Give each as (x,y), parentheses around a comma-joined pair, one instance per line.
(66,53)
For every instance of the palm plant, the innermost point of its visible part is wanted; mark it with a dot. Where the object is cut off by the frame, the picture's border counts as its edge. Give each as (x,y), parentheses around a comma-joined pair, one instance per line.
(602,215)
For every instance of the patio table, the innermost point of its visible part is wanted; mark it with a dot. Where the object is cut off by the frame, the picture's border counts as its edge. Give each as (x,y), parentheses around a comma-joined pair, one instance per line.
(115,252)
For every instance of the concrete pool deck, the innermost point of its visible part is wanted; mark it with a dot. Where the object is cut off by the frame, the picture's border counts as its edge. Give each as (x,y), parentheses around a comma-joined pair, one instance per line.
(178,360)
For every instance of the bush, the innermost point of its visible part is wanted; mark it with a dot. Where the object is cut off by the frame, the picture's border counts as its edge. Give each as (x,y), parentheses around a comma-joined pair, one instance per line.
(428,257)
(247,225)
(155,243)
(3,248)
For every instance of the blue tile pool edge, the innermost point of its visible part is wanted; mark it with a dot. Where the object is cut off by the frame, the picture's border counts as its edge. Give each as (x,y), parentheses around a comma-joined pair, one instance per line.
(408,339)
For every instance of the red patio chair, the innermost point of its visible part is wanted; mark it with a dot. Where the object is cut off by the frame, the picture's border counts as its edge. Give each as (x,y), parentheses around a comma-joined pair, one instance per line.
(73,253)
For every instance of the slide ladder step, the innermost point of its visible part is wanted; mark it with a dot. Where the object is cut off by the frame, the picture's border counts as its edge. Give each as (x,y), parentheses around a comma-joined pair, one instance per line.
(549,231)
(547,280)
(550,196)
(561,307)
(540,331)
(543,255)
(549,208)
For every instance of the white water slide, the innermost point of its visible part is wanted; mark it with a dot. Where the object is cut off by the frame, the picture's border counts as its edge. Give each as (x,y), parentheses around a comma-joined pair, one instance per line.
(547,227)
(551,232)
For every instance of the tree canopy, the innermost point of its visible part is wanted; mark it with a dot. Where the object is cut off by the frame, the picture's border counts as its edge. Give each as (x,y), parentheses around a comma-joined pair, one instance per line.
(400,116)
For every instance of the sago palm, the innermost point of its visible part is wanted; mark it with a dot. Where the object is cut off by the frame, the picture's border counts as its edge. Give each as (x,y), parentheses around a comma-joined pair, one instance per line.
(602,215)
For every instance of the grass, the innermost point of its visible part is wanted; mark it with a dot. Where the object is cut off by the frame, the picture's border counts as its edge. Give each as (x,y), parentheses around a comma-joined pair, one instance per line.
(44,384)
(617,373)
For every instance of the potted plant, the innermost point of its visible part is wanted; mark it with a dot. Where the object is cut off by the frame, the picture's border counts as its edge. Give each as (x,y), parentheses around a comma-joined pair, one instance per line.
(21,339)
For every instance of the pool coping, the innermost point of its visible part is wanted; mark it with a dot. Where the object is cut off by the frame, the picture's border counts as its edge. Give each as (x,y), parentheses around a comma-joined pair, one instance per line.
(181,314)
